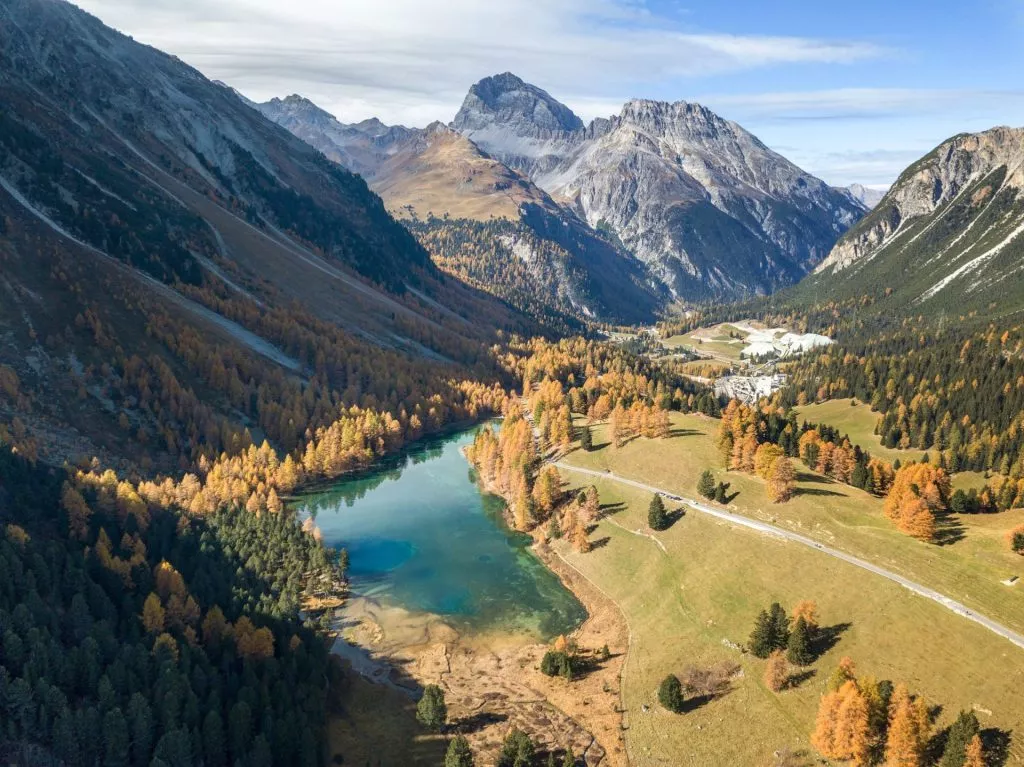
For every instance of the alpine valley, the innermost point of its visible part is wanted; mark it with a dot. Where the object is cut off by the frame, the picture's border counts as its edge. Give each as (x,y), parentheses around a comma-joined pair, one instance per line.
(508,441)
(663,201)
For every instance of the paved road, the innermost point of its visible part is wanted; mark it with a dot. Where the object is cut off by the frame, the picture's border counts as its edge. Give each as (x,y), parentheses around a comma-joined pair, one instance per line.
(761,527)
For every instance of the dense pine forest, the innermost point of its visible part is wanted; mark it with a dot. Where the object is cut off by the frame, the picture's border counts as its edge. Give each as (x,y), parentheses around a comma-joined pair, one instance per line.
(146,636)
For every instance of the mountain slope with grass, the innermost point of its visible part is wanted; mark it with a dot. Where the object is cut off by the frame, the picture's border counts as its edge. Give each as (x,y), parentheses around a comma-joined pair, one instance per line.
(946,238)
(181,276)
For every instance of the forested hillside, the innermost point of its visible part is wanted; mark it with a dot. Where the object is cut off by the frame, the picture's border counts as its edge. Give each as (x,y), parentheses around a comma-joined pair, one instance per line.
(134,635)
(549,268)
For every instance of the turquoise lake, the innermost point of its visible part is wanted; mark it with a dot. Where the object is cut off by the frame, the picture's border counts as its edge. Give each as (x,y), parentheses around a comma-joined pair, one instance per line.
(421,535)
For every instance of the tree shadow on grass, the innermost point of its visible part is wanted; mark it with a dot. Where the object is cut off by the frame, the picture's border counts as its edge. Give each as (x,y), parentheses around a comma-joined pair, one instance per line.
(697,701)
(937,744)
(817,479)
(997,746)
(600,543)
(682,432)
(587,662)
(675,515)
(798,678)
(608,509)
(827,637)
(818,491)
(729,497)
(948,529)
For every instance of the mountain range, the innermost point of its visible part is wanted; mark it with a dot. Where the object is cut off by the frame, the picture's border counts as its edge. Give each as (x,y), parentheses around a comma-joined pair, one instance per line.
(442,180)
(696,206)
(159,178)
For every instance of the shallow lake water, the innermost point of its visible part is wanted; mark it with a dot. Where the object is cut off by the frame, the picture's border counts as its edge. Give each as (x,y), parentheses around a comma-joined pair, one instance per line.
(422,536)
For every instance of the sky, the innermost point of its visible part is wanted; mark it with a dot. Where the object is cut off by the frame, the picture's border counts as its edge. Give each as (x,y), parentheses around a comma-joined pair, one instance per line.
(851,94)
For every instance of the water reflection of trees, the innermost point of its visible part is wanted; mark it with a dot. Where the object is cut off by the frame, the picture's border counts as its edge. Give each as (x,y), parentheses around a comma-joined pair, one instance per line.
(354,488)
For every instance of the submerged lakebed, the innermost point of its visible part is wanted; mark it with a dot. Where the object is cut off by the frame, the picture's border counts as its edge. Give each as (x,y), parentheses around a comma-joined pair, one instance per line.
(422,536)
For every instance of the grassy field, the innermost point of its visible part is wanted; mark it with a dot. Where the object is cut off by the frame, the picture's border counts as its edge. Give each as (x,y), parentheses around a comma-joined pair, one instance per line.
(682,605)
(966,480)
(858,422)
(970,567)
(374,725)
(719,345)
(707,588)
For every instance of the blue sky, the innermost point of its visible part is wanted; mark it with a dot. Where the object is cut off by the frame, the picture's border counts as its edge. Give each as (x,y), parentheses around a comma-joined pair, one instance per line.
(851,92)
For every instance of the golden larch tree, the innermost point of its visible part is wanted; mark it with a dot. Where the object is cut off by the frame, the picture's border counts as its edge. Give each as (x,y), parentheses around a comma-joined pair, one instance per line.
(782,481)
(908,730)
(824,736)
(776,673)
(808,610)
(853,731)
(764,459)
(975,754)
(153,614)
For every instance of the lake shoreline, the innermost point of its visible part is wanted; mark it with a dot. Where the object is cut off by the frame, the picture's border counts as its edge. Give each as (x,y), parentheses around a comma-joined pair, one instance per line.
(491,675)
(494,678)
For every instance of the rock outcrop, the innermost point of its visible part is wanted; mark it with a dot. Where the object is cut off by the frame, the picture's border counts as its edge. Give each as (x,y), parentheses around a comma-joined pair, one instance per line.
(704,203)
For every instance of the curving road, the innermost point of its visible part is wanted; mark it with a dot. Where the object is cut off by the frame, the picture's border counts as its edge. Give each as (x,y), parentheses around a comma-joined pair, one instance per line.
(761,527)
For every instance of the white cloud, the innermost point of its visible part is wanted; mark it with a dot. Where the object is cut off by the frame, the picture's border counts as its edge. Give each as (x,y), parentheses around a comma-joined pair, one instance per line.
(412,61)
(851,103)
(866,135)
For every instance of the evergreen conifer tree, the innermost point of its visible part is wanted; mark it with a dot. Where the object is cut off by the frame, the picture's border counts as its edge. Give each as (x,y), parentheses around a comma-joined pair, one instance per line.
(860,476)
(778,627)
(670,694)
(657,519)
(798,650)
(706,484)
(761,636)
(586,439)
(721,492)
(431,710)
(517,750)
(458,754)
(961,733)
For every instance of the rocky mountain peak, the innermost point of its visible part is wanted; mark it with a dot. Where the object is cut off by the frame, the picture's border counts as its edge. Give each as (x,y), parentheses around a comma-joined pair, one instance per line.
(967,172)
(296,108)
(508,100)
(868,196)
(677,119)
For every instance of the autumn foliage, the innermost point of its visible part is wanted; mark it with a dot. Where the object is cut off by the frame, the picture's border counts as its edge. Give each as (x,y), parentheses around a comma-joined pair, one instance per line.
(859,718)
(919,492)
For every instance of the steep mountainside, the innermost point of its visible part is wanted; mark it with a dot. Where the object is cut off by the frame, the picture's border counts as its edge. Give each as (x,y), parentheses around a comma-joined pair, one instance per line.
(709,207)
(441,179)
(442,172)
(158,237)
(947,235)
